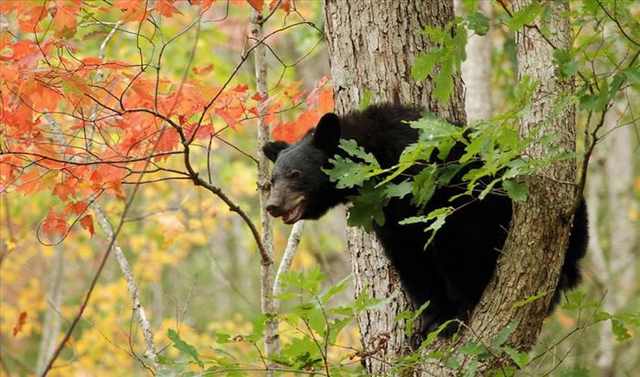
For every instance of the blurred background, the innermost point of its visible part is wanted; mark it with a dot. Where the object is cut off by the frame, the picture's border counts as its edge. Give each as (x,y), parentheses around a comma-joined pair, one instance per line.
(195,262)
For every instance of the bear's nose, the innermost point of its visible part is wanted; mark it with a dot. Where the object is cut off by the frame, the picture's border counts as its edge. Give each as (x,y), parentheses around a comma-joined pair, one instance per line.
(274,210)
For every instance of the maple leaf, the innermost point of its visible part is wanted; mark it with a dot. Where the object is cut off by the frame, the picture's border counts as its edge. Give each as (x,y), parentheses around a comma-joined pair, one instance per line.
(285,5)
(77,208)
(203,70)
(87,223)
(107,174)
(168,141)
(64,20)
(205,4)
(294,131)
(54,224)
(256,4)
(166,7)
(134,10)
(31,182)
(66,189)
(22,320)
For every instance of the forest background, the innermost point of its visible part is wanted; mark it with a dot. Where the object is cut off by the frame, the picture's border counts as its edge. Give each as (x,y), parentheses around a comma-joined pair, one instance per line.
(180,291)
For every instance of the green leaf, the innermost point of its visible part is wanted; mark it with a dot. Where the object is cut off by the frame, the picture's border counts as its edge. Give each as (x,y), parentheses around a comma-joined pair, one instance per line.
(504,334)
(367,208)
(520,358)
(528,300)
(365,100)
(424,185)
(619,329)
(398,190)
(517,191)
(423,66)
(565,62)
(436,219)
(525,16)
(184,347)
(478,22)
(447,172)
(633,75)
(443,84)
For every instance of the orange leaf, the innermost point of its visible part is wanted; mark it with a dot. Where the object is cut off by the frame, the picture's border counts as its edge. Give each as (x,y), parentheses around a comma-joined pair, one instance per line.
(64,21)
(134,10)
(66,189)
(203,70)
(22,320)
(166,8)
(54,224)
(205,4)
(31,182)
(256,4)
(240,88)
(87,223)
(77,208)
(325,101)
(285,5)
(168,141)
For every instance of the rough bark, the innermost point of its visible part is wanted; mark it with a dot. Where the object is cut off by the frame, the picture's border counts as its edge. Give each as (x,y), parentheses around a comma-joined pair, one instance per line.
(533,254)
(372,44)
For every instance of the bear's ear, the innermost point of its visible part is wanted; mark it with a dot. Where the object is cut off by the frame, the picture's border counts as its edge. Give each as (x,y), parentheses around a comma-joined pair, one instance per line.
(327,133)
(273,148)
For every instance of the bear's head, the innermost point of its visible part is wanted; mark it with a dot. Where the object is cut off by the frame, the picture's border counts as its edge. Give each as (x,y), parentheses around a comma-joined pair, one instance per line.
(299,187)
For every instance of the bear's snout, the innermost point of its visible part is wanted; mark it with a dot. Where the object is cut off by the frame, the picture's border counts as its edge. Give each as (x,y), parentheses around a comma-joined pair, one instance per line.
(273,209)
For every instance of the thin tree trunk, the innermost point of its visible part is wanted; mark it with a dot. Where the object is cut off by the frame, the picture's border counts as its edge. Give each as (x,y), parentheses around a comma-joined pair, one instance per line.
(476,70)
(621,281)
(271,339)
(372,44)
(52,320)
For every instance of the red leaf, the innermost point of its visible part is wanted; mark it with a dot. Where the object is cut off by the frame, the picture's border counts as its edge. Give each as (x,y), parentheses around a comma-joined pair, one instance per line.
(87,223)
(107,174)
(256,4)
(54,224)
(166,8)
(285,5)
(22,320)
(64,20)
(65,189)
(205,4)
(77,208)
(240,88)
(168,141)
(203,70)
(134,10)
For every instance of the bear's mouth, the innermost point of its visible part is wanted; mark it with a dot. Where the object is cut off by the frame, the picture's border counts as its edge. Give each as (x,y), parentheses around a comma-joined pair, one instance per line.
(295,212)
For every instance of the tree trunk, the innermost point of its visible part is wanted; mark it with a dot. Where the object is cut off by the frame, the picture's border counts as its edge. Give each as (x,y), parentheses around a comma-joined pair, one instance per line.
(372,44)
(476,70)
(533,255)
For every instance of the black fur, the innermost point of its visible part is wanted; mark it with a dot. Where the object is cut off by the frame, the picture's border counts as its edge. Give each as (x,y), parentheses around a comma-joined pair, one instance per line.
(456,267)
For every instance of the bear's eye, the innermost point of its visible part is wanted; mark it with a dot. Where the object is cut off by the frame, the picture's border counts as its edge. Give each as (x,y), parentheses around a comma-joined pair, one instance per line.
(291,174)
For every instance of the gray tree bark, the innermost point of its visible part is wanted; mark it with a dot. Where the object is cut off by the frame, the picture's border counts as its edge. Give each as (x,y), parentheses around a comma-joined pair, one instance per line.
(372,45)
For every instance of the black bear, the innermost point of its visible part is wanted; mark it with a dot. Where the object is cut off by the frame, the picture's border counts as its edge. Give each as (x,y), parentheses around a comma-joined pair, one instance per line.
(457,265)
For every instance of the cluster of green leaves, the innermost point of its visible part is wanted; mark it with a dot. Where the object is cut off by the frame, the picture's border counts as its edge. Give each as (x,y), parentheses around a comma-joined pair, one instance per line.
(487,159)
(310,328)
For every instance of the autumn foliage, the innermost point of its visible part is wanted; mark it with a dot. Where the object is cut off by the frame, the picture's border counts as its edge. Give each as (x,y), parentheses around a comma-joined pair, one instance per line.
(80,125)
